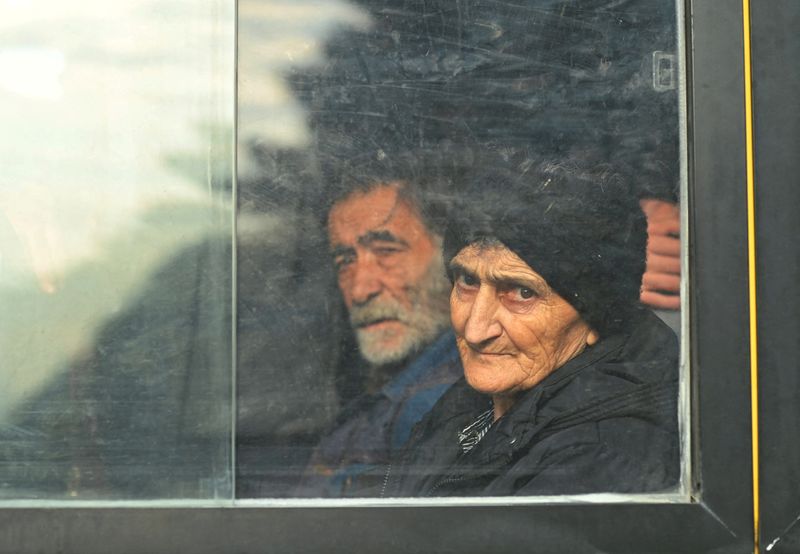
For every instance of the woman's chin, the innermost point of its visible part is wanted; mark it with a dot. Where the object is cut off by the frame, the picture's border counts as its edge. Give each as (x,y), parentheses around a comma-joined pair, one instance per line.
(484,381)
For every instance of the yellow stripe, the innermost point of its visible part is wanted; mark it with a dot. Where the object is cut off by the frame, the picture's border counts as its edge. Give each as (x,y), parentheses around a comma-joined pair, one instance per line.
(751,263)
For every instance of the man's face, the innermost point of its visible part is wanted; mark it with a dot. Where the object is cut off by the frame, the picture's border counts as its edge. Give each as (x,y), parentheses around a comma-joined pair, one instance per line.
(512,329)
(390,273)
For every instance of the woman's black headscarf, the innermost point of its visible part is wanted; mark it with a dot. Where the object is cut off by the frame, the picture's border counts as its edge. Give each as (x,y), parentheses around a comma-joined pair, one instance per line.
(582,231)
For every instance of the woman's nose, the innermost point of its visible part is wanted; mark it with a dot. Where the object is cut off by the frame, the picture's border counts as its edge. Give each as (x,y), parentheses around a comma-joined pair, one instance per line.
(482,324)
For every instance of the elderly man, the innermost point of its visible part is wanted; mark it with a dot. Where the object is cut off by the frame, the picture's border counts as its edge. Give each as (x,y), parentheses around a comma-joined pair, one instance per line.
(388,260)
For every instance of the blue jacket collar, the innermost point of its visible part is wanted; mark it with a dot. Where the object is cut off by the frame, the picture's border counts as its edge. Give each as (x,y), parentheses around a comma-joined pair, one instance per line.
(442,350)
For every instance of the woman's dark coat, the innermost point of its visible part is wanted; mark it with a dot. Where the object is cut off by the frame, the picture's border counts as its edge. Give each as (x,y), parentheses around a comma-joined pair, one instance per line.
(604,422)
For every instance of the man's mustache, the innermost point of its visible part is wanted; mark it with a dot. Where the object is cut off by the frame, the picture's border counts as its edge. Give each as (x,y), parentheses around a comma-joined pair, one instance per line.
(377,310)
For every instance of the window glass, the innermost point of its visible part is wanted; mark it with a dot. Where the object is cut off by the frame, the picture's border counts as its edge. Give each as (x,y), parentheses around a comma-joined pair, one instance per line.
(455,270)
(459,253)
(115,249)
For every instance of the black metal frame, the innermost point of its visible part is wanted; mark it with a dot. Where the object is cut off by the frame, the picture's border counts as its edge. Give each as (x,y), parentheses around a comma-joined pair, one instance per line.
(719,520)
(776,76)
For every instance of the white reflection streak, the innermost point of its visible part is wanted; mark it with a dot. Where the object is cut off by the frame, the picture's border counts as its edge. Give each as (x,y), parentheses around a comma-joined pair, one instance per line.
(120,100)
(96,97)
(274,36)
(32,72)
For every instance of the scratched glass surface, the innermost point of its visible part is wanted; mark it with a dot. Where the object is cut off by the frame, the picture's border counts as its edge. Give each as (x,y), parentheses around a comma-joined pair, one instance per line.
(115,234)
(117,207)
(346,108)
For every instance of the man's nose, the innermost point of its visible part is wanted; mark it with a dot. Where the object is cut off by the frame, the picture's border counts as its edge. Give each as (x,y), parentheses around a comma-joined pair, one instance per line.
(482,325)
(366,281)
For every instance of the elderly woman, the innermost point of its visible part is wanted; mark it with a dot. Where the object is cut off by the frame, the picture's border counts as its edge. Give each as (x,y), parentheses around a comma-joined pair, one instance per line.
(569,385)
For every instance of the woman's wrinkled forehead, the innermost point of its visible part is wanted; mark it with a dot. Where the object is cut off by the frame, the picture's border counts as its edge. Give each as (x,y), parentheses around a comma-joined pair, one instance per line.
(494,262)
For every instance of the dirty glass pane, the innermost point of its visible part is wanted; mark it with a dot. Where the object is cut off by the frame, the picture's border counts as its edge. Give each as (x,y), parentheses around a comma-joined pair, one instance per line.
(115,249)
(430,189)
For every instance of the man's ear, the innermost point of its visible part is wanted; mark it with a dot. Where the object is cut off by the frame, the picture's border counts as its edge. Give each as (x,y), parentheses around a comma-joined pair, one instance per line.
(592,337)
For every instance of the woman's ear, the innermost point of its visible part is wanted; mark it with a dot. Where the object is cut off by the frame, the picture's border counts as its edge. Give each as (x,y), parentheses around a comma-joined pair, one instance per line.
(592,337)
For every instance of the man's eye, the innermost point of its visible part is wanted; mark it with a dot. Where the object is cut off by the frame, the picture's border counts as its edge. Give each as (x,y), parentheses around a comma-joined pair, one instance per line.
(467,281)
(385,251)
(341,262)
(526,293)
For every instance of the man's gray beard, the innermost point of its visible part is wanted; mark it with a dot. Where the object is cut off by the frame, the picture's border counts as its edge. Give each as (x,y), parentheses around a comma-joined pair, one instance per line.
(428,316)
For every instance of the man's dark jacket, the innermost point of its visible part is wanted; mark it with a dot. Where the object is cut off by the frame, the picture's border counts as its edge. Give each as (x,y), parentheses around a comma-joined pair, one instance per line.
(375,427)
(606,421)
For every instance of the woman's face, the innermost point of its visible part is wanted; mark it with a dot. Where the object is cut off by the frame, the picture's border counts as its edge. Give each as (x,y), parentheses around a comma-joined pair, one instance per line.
(512,329)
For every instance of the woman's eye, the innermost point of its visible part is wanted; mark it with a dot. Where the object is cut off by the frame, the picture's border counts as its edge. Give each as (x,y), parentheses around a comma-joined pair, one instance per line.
(520,294)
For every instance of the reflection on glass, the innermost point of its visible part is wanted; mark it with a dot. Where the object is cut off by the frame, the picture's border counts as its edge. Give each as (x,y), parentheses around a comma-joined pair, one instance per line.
(115,249)
(368,132)
(290,332)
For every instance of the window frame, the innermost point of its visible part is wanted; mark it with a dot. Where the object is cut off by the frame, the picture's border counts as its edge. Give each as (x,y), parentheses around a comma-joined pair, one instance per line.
(776,138)
(720,516)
